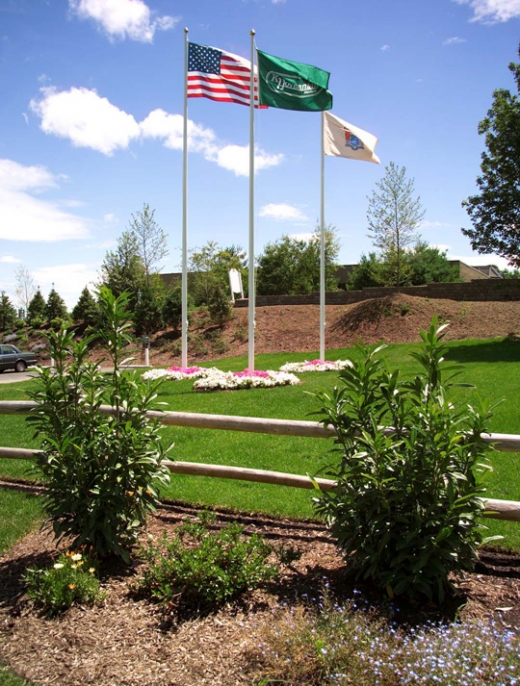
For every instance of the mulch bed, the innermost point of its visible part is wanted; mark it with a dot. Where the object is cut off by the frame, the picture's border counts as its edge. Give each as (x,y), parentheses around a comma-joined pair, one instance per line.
(128,641)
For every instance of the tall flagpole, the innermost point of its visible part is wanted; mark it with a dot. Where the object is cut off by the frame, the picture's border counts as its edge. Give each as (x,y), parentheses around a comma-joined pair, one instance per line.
(251,260)
(184,289)
(322,243)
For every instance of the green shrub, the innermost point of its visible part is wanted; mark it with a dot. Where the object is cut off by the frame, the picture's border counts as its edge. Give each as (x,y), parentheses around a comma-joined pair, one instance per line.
(19,324)
(202,569)
(101,470)
(406,511)
(72,579)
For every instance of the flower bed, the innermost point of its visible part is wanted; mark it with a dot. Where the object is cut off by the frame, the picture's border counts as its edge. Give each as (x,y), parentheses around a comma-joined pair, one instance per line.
(217,380)
(176,373)
(315,366)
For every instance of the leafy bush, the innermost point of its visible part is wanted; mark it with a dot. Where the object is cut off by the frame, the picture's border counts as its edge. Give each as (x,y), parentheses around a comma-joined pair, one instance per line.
(406,509)
(101,470)
(71,580)
(202,569)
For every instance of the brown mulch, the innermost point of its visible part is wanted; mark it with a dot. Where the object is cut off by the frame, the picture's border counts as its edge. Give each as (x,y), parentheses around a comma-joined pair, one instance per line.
(128,641)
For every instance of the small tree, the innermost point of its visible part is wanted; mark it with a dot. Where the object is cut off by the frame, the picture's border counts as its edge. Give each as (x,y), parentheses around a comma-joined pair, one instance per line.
(122,270)
(172,306)
(25,287)
(219,306)
(393,218)
(148,309)
(55,306)
(37,308)
(495,211)
(209,267)
(151,241)
(7,312)
(86,310)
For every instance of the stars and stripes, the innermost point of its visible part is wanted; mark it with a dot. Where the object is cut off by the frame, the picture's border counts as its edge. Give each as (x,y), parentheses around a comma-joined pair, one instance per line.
(219,75)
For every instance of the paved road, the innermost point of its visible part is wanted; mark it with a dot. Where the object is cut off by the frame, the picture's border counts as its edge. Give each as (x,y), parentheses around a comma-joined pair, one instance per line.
(10,376)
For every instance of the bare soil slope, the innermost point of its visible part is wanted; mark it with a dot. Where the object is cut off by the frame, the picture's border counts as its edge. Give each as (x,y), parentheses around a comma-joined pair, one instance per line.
(295,328)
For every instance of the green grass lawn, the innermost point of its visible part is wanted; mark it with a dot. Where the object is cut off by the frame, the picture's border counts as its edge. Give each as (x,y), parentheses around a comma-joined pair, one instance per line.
(492,365)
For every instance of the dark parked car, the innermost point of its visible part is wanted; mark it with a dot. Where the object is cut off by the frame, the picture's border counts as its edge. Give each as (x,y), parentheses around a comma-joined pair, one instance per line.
(12,358)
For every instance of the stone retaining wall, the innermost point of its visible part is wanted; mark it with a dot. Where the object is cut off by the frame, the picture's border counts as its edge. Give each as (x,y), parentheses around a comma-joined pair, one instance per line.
(483,289)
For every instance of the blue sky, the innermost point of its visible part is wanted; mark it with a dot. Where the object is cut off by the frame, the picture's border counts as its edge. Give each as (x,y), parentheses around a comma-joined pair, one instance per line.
(91,122)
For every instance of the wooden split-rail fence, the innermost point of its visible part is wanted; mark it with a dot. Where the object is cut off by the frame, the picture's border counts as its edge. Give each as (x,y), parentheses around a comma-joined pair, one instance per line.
(497,509)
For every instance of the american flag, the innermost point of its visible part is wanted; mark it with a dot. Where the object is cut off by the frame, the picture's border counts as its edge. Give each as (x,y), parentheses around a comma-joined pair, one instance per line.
(219,75)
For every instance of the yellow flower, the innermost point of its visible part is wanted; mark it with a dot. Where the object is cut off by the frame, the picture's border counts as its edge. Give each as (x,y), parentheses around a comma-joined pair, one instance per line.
(72,586)
(58,565)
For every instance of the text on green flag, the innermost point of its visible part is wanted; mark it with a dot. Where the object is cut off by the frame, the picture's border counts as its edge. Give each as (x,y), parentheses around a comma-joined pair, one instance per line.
(292,85)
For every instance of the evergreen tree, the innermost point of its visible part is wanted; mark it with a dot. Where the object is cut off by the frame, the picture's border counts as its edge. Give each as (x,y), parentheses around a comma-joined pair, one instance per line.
(393,218)
(55,306)
(148,308)
(37,308)
(7,312)
(366,273)
(86,309)
(123,270)
(172,306)
(495,211)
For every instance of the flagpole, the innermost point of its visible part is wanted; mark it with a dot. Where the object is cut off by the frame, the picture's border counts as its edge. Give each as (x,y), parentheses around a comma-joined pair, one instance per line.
(251,260)
(322,243)
(184,287)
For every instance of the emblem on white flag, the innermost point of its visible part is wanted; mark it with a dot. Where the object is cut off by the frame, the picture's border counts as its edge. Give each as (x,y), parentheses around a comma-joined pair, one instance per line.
(341,139)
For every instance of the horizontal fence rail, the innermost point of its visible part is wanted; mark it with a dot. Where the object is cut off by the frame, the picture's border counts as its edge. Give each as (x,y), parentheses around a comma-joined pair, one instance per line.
(497,509)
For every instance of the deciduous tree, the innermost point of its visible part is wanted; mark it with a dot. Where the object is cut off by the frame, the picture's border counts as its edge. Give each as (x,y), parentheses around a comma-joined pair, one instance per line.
(495,210)
(394,215)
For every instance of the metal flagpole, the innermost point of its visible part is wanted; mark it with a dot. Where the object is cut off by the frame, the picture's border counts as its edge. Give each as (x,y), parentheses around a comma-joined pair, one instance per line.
(322,243)
(251,260)
(184,291)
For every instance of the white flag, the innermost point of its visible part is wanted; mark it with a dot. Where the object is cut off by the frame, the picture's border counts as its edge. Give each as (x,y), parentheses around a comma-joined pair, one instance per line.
(342,139)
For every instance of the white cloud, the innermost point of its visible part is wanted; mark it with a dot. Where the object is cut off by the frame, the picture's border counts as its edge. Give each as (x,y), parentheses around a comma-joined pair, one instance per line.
(91,121)
(235,158)
(425,224)
(9,259)
(492,11)
(123,18)
(307,236)
(68,279)
(110,218)
(278,2)
(169,127)
(28,218)
(454,40)
(86,119)
(385,47)
(282,212)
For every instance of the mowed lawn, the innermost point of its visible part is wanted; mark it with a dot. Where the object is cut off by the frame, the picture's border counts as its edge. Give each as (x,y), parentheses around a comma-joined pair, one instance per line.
(492,365)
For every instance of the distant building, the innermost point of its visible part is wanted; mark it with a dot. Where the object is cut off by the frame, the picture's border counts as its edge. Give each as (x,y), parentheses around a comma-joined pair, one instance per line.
(466,272)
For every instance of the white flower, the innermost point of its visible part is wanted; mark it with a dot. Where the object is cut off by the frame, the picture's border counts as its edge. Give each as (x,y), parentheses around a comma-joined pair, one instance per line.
(219,380)
(58,565)
(315,366)
(76,557)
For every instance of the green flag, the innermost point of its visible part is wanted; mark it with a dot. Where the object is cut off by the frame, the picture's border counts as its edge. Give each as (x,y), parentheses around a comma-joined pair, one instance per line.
(292,85)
